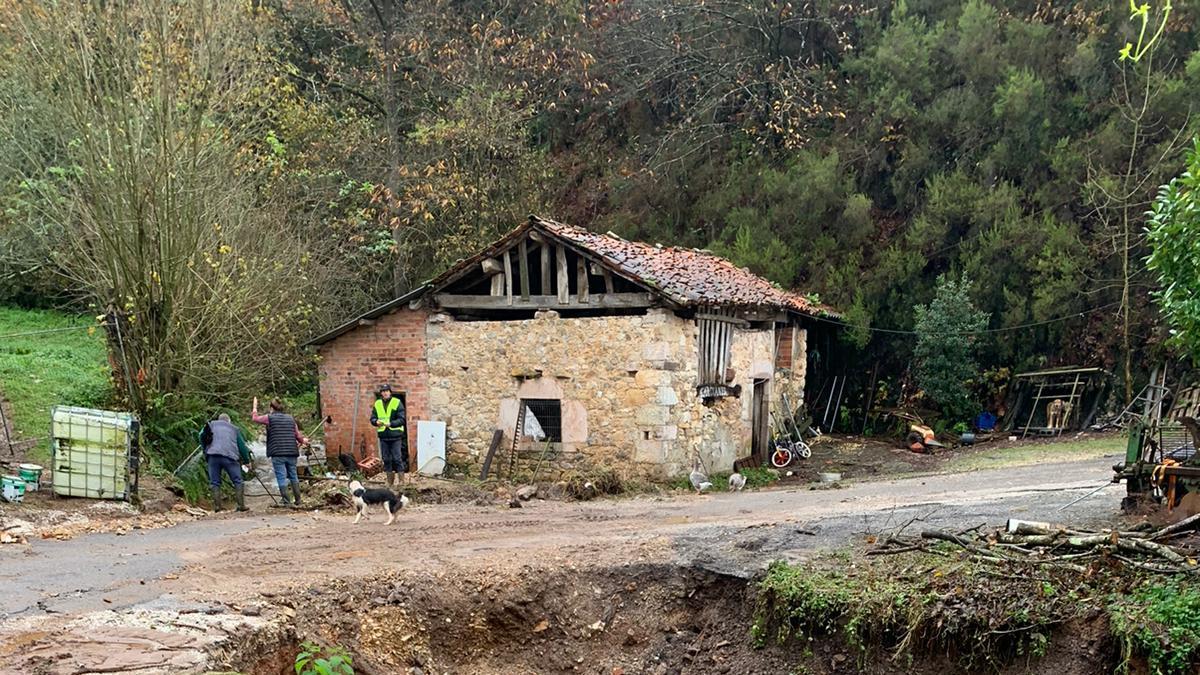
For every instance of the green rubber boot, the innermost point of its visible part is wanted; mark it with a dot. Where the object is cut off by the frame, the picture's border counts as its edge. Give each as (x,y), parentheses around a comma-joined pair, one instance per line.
(296,492)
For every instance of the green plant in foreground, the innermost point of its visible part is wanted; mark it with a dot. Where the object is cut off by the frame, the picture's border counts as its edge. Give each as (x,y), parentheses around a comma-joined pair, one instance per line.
(314,659)
(1159,621)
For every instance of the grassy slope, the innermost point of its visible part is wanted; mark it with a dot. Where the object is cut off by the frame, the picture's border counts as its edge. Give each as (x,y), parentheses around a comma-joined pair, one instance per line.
(1038,453)
(40,371)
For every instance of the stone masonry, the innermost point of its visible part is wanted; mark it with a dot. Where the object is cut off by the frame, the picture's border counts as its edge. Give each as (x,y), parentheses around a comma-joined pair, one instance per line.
(627,386)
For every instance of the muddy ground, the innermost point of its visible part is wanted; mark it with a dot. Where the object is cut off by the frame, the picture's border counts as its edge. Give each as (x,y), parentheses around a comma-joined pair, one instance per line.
(635,585)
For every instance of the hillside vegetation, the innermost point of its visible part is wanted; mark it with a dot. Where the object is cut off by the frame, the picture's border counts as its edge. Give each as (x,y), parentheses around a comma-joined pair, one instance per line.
(46,359)
(235,177)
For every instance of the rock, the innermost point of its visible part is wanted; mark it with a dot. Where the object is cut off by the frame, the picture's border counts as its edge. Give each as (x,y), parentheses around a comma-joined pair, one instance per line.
(252,610)
(514,503)
(527,492)
(541,626)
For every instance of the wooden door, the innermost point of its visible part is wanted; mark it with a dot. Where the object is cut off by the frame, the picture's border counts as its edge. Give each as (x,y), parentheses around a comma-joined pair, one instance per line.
(760,419)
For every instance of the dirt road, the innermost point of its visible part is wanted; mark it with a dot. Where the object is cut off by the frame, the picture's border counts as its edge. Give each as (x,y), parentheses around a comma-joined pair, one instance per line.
(214,568)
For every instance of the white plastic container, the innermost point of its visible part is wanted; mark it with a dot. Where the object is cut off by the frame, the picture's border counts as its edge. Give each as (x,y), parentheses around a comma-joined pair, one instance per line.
(94,452)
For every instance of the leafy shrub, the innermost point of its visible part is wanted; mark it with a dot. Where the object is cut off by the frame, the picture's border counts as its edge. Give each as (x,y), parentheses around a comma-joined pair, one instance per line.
(1175,253)
(314,659)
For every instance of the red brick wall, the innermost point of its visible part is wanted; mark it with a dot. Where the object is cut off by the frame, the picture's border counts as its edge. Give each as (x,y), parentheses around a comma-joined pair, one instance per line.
(784,339)
(391,351)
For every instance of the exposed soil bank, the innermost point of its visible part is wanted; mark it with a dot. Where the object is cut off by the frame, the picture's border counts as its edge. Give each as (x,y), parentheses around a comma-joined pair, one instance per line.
(651,618)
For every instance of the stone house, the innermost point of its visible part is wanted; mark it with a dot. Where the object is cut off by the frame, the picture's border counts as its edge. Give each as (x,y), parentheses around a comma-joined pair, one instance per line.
(628,355)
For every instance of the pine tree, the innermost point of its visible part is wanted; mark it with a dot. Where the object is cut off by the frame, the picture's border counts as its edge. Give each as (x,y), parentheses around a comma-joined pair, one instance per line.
(946,341)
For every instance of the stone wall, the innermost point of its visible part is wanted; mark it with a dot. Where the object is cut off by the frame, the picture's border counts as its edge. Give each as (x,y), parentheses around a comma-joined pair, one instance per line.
(627,386)
(392,350)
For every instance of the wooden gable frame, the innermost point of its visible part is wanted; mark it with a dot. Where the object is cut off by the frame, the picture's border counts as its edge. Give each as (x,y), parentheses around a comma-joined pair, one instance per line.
(554,272)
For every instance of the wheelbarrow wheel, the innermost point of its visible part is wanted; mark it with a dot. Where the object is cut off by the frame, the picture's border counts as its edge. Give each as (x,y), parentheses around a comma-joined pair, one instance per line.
(781,457)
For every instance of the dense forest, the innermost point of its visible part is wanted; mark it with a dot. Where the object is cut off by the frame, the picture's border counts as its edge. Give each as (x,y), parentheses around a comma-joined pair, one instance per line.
(234,175)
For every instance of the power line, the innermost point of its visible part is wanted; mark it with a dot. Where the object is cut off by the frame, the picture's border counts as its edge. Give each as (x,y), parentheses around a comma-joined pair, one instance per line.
(1034,324)
(42,332)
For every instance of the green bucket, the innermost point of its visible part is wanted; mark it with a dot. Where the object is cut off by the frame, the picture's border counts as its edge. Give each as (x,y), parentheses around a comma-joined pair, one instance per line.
(31,474)
(12,488)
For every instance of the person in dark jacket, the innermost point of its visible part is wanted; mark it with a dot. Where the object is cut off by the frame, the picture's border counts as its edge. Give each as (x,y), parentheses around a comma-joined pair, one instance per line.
(225,449)
(388,418)
(283,447)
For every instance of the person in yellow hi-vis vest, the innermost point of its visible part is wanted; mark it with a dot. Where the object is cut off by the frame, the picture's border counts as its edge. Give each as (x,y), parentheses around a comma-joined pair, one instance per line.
(388,418)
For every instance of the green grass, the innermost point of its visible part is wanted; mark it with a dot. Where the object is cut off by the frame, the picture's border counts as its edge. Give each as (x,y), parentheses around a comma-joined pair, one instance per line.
(947,605)
(1039,453)
(758,477)
(984,615)
(47,369)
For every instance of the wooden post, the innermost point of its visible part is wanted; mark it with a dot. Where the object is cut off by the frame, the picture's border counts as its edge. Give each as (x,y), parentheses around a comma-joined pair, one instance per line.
(523,250)
(608,282)
(582,279)
(498,284)
(491,266)
(508,284)
(564,289)
(545,269)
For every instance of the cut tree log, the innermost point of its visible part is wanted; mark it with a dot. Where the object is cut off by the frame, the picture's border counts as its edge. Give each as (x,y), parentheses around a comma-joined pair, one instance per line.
(1014,526)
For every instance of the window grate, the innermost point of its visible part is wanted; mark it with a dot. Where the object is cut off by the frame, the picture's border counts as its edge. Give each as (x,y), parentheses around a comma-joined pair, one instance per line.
(548,413)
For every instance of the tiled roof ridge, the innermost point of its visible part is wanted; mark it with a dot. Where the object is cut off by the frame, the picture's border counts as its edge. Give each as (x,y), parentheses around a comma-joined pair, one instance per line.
(661,266)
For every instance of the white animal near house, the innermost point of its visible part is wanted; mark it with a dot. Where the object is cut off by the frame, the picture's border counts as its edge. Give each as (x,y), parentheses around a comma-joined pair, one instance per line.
(736,481)
(698,479)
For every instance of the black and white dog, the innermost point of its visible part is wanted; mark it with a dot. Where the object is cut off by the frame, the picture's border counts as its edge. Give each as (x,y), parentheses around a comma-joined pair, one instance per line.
(364,498)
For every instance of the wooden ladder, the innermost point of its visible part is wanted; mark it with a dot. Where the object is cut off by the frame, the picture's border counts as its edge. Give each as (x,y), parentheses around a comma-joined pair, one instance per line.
(517,433)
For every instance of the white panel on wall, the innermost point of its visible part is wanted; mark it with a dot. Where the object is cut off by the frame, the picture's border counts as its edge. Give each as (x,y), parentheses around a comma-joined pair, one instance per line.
(431,447)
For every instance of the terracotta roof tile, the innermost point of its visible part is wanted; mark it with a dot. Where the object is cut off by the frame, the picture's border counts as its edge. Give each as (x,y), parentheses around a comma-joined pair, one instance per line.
(686,276)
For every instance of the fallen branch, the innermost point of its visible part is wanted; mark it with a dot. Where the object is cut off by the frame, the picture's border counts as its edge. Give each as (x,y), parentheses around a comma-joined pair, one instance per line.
(893,551)
(1189,523)
(1029,540)
(1159,569)
(946,536)
(1160,550)
(1038,547)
